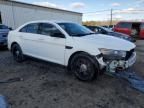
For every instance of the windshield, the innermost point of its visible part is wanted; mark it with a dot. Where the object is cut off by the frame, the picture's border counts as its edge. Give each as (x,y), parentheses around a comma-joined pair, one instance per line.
(75,30)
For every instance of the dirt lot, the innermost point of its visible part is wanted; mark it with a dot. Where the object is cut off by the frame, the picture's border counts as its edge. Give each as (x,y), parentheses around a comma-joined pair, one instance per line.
(50,86)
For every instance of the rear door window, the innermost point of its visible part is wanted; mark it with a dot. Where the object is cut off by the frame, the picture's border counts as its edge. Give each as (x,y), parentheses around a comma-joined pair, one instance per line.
(125,25)
(31,28)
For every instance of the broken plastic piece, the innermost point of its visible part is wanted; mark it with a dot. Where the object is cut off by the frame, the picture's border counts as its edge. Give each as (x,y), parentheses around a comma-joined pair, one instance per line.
(135,81)
(3,102)
(12,80)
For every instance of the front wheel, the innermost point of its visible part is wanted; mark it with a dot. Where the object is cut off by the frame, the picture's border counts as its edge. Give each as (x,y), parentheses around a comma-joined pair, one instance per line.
(84,68)
(17,53)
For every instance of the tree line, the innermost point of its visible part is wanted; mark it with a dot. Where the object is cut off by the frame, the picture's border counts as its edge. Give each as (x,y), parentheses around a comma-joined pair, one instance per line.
(99,23)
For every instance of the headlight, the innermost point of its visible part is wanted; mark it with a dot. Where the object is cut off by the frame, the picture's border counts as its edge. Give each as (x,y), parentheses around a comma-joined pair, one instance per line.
(113,54)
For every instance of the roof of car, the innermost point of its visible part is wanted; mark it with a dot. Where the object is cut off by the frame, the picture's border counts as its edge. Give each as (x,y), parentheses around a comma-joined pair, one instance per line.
(43,21)
(50,21)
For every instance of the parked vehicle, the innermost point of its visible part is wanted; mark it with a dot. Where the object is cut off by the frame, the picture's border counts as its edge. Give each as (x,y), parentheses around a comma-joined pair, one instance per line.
(109,32)
(74,46)
(108,26)
(105,26)
(134,29)
(111,27)
(3,35)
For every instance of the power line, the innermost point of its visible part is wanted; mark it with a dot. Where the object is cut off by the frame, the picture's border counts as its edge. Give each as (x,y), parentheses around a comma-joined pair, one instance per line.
(114,10)
(111,13)
(97,11)
(111,21)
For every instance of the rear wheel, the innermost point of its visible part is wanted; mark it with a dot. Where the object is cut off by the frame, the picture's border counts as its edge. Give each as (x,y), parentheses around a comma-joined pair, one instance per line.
(84,68)
(17,53)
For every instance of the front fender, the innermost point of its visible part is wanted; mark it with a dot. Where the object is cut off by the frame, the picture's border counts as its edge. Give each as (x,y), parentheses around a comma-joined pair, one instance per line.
(69,53)
(13,37)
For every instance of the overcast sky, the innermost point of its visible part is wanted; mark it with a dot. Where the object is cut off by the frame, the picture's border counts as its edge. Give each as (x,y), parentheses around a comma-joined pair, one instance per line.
(123,9)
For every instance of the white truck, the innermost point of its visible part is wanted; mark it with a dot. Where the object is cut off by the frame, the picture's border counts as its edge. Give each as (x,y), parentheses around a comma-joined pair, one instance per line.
(74,46)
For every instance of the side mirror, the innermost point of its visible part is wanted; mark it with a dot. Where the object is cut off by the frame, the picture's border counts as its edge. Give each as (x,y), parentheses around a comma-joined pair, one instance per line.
(59,35)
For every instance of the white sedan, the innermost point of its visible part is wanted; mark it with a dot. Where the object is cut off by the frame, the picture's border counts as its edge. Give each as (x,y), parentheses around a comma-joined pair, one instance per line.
(71,45)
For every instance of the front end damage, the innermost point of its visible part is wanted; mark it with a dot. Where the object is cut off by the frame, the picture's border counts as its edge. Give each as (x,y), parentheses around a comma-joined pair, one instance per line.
(113,64)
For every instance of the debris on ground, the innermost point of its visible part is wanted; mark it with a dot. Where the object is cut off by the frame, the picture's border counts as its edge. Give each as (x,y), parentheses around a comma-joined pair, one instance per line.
(11,80)
(47,85)
(135,81)
(3,102)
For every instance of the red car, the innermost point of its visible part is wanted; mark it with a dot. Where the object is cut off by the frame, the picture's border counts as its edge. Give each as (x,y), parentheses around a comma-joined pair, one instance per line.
(135,29)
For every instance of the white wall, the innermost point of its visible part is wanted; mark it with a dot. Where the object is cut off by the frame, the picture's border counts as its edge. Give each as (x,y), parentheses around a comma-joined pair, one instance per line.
(7,15)
(14,16)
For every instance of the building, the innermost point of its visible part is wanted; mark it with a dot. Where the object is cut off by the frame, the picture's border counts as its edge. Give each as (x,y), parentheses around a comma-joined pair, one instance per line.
(14,14)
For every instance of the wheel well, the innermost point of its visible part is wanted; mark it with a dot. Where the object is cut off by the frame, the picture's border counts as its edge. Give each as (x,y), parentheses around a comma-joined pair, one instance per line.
(71,57)
(13,44)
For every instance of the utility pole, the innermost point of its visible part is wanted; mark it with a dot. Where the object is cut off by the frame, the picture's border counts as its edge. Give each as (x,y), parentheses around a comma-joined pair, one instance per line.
(111,17)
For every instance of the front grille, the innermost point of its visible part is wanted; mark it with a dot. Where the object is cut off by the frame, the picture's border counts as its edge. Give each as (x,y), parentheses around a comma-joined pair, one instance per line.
(129,54)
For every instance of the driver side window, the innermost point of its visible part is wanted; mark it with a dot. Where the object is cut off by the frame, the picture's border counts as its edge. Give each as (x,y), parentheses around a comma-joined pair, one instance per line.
(49,30)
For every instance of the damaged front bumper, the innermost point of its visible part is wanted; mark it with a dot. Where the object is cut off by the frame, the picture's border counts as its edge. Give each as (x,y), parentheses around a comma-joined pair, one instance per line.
(114,65)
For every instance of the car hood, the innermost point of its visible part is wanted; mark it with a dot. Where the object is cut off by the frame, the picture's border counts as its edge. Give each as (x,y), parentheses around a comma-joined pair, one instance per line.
(104,41)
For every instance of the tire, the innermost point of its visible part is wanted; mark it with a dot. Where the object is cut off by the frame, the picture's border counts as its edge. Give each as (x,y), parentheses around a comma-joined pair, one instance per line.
(17,53)
(84,67)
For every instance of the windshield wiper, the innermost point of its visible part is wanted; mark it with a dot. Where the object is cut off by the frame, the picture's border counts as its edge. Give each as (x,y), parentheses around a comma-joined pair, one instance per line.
(90,33)
(83,34)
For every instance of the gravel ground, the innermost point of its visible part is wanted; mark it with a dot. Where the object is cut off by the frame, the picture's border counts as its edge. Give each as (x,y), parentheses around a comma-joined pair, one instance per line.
(47,85)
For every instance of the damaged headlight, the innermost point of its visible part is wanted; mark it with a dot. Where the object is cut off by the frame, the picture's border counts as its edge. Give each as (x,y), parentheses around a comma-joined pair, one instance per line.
(113,54)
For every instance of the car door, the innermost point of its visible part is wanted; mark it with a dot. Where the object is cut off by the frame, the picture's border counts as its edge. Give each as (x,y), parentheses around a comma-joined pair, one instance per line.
(52,43)
(30,40)
(142,31)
